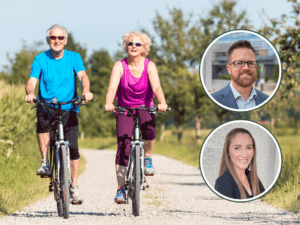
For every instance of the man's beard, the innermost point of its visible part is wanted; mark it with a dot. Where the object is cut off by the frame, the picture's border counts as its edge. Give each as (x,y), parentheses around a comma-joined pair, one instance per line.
(244,82)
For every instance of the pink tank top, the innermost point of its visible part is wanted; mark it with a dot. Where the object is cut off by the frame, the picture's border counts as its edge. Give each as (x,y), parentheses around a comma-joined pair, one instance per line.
(132,91)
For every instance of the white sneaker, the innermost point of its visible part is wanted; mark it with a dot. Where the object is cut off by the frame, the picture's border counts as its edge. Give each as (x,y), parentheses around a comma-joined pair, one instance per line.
(76,196)
(44,169)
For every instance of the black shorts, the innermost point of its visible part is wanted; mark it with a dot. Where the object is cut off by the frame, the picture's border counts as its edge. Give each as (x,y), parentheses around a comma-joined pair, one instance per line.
(46,115)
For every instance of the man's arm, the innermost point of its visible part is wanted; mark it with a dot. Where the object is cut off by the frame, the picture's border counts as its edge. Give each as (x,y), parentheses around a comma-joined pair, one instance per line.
(29,88)
(85,84)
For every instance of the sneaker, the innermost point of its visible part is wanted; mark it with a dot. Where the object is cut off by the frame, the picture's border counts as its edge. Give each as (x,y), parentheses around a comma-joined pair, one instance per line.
(76,196)
(45,169)
(120,197)
(149,169)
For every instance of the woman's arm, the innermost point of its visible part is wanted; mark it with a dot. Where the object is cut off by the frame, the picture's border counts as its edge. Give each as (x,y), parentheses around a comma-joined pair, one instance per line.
(115,78)
(156,87)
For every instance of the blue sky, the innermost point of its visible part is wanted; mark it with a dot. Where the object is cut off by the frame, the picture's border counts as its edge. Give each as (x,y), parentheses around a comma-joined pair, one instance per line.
(100,24)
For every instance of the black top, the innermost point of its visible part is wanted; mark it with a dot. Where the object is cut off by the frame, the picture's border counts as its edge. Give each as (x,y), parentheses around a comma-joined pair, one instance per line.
(227,186)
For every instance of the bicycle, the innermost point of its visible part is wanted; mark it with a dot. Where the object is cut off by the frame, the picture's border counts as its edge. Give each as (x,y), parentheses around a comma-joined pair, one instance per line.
(136,177)
(60,161)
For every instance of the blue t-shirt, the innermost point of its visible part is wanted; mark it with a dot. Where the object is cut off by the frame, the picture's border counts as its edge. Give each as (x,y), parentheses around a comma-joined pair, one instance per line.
(57,76)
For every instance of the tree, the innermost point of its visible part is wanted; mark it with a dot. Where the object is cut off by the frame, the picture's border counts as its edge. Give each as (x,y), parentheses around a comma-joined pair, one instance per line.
(221,18)
(183,43)
(20,65)
(287,40)
(76,47)
(94,120)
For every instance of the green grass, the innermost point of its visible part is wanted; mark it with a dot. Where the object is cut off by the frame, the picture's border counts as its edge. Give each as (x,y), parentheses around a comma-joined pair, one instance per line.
(108,143)
(285,192)
(187,152)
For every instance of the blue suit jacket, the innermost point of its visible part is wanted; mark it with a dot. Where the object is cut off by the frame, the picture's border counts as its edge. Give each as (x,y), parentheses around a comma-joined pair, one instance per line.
(226,97)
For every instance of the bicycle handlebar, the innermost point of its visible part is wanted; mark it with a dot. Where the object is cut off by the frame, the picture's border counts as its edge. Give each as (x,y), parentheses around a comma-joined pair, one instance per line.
(150,109)
(75,101)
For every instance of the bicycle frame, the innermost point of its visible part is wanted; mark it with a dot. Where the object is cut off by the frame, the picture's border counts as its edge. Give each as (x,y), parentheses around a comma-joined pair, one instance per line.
(136,141)
(59,140)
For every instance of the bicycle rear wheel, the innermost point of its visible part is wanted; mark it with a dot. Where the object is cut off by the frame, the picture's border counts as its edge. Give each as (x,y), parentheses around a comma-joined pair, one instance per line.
(136,182)
(64,181)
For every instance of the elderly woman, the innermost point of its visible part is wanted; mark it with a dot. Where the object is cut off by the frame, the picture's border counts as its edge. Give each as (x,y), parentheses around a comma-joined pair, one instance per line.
(134,82)
(238,177)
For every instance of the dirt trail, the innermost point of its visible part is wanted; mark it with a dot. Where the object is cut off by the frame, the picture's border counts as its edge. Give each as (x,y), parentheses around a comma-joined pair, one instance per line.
(177,195)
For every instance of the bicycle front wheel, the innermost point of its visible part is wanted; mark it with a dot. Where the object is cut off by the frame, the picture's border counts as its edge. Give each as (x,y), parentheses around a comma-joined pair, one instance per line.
(137,181)
(57,195)
(60,207)
(64,181)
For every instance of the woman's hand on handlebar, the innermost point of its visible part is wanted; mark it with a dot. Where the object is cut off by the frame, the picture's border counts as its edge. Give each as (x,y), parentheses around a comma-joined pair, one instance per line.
(109,107)
(29,98)
(162,107)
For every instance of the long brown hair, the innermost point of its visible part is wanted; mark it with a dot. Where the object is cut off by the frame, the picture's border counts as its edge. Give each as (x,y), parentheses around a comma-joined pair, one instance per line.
(226,163)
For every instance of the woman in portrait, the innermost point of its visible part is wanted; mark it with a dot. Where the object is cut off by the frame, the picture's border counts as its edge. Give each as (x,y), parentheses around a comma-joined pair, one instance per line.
(134,82)
(238,177)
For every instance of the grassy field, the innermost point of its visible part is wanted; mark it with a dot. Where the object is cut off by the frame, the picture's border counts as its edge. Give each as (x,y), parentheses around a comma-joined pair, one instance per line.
(285,192)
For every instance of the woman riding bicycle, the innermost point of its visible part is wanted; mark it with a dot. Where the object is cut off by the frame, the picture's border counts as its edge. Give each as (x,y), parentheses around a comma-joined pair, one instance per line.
(134,82)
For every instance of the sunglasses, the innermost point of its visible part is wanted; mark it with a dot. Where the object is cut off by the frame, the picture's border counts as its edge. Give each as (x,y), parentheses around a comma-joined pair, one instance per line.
(137,44)
(59,38)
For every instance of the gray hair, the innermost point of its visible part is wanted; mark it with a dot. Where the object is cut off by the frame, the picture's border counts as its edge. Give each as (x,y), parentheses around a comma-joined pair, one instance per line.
(57,26)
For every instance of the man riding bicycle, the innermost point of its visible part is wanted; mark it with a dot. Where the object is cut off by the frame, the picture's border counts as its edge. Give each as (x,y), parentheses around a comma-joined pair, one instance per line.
(56,70)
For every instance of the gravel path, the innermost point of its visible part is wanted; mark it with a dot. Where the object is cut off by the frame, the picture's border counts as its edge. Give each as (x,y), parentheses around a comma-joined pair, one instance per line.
(177,195)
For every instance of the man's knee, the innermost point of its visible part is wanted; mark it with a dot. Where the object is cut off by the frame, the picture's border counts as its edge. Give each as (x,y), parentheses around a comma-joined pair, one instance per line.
(74,152)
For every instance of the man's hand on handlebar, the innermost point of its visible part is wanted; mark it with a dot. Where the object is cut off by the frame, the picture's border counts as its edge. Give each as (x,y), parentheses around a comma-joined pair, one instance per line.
(88,96)
(29,98)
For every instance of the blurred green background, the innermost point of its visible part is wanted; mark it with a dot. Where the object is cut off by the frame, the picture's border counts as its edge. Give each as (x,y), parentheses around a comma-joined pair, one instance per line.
(182,131)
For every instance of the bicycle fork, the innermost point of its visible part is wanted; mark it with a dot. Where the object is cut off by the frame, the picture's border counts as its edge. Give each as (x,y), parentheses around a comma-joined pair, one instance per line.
(130,178)
(58,144)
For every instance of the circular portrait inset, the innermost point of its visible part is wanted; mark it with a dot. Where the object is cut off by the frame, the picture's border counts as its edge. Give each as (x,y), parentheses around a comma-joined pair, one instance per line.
(240,70)
(240,160)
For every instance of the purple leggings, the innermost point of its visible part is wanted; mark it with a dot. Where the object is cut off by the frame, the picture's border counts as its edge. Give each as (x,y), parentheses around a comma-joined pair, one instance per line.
(125,127)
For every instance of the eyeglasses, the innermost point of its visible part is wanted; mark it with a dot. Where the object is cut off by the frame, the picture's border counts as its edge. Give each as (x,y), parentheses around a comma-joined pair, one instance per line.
(239,63)
(55,37)
(137,44)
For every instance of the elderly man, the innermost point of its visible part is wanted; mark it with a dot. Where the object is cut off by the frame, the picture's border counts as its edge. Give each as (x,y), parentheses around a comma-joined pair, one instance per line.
(242,65)
(57,69)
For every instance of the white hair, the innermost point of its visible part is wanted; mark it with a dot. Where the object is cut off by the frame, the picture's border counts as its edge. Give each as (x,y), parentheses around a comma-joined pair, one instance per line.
(57,26)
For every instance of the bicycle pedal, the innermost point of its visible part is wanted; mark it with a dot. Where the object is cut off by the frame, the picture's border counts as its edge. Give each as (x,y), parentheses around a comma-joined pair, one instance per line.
(45,176)
(121,203)
(144,187)
(149,174)
(76,203)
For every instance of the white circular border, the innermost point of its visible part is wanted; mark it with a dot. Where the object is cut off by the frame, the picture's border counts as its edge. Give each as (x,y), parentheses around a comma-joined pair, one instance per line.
(278,82)
(233,122)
